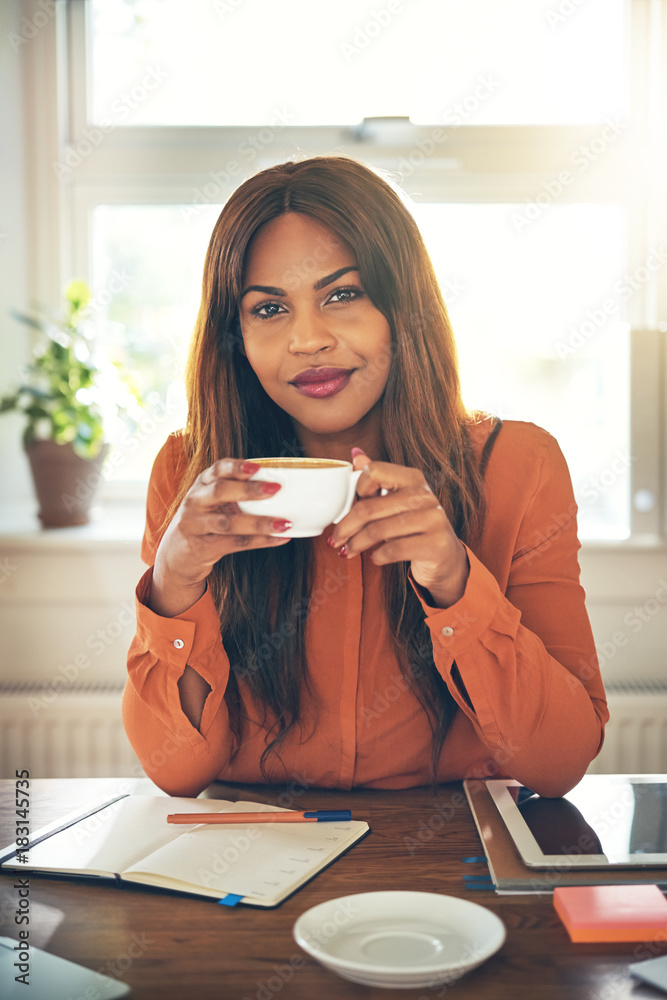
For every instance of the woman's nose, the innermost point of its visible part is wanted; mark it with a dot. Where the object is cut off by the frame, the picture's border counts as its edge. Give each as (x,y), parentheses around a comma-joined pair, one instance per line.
(310,331)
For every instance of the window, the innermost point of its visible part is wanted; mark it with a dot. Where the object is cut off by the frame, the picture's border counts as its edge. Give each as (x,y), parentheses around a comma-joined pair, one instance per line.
(232,62)
(525,301)
(526,133)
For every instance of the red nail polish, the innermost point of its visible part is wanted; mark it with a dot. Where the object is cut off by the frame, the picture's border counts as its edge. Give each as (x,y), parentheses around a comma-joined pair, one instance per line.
(281,524)
(342,550)
(330,542)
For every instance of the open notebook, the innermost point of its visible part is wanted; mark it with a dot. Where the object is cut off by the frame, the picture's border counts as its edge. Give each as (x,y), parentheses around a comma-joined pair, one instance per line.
(131,840)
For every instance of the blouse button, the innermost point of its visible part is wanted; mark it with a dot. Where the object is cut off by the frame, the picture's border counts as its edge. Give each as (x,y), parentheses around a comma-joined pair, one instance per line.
(178,643)
(448,630)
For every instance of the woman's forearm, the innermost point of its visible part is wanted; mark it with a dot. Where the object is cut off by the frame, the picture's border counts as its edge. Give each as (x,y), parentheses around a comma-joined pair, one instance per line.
(169,596)
(194,691)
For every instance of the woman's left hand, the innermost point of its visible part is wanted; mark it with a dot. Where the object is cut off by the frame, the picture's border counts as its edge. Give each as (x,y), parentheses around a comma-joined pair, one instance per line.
(406,523)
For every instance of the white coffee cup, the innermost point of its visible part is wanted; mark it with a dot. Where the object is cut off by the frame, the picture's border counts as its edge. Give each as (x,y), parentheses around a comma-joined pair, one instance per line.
(314,493)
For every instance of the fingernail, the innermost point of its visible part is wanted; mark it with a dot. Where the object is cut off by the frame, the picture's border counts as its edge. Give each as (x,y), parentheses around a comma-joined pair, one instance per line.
(270,488)
(280,524)
(331,542)
(342,550)
(250,467)
(357,451)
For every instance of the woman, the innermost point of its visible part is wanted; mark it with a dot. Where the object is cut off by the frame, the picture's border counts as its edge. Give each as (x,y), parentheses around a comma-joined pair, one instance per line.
(438,630)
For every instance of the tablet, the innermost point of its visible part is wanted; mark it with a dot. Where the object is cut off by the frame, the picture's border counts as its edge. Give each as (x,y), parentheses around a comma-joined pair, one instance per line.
(50,976)
(607,819)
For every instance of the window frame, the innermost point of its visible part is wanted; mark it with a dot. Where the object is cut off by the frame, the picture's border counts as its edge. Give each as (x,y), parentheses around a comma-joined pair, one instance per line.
(162,165)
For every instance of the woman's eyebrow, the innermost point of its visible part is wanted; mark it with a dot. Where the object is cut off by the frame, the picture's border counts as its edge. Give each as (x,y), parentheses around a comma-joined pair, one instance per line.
(318,286)
(268,289)
(323,282)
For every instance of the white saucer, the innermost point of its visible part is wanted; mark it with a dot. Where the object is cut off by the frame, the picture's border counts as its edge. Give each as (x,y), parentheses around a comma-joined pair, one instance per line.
(399,939)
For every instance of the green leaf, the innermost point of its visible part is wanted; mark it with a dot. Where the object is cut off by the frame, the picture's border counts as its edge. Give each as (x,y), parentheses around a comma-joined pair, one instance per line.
(36,412)
(87,449)
(9,403)
(33,391)
(60,368)
(78,294)
(28,320)
(66,434)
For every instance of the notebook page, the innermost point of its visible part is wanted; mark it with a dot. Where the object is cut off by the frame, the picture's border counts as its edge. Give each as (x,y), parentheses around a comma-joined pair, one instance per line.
(117,836)
(264,861)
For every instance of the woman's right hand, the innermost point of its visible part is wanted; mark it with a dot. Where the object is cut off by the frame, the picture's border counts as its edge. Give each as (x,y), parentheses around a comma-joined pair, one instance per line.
(207,526)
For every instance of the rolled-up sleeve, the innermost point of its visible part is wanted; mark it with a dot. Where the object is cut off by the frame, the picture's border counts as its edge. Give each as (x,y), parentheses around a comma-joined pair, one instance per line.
(176,756)
(522,664)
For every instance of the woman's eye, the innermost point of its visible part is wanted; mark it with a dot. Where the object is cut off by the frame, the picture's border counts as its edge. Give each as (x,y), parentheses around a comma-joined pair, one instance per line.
(345,294)
(266,310)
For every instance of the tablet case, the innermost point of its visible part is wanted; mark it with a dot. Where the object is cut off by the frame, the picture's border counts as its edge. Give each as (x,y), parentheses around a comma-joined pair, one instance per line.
(510,874)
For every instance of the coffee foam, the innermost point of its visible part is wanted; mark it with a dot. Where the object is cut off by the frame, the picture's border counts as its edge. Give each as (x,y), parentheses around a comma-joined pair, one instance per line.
(299,463)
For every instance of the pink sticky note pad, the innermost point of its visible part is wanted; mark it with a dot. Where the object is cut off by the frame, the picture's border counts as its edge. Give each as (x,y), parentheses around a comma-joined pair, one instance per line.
(612,912)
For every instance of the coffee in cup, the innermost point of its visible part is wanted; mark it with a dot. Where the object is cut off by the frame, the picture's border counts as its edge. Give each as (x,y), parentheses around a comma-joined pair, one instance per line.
(314,492)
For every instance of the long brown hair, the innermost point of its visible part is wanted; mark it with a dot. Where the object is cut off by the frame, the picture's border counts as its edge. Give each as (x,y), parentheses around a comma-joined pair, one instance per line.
(263,595)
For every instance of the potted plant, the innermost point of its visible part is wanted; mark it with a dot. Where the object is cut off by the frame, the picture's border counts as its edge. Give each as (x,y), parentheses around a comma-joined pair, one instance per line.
(64,398)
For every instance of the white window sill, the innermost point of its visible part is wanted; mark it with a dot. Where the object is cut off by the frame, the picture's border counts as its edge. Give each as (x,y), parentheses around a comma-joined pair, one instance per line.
(117,522)
(111,526)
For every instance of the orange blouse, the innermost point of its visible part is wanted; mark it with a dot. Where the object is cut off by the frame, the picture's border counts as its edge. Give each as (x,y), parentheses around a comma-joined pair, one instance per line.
(527,684)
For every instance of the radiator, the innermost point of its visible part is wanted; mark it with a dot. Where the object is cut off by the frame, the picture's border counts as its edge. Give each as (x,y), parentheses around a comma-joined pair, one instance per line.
(79,733)
(75,733)
(636,734)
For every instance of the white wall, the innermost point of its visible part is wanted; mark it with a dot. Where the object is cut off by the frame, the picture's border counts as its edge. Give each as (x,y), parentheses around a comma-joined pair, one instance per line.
(67,606)
(14,338)
(626,590)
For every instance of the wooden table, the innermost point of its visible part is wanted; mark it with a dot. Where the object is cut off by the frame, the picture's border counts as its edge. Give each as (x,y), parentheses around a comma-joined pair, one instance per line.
(168,946)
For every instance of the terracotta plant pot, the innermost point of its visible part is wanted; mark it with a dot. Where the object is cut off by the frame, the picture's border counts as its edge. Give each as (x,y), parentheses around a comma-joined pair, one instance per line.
(65,483)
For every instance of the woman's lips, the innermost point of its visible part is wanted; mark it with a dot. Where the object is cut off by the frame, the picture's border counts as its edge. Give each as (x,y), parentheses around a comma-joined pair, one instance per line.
(322,389)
